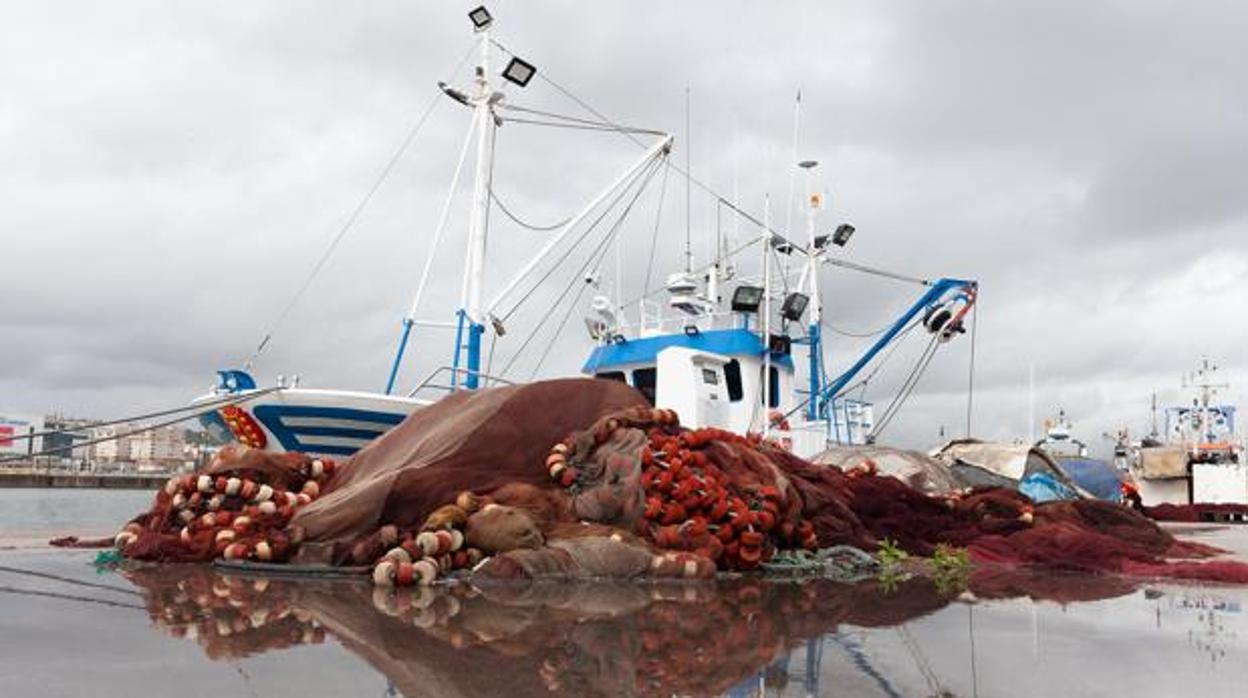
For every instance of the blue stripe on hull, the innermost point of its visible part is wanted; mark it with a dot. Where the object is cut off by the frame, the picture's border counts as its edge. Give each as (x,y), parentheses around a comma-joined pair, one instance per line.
(339,432)
(273,417)
(330,450)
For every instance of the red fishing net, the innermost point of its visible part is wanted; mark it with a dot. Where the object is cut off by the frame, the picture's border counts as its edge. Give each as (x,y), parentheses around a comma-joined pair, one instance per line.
(1198,513)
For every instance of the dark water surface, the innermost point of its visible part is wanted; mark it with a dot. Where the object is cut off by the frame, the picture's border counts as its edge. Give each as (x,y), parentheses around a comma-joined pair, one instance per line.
(68,630)
(38,512)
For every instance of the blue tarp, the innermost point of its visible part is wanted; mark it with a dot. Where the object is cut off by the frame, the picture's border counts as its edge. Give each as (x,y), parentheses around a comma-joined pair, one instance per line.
(1099,478)
(1043,487)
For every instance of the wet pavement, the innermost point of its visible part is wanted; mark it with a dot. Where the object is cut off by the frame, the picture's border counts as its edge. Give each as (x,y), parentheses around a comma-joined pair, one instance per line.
(67,629)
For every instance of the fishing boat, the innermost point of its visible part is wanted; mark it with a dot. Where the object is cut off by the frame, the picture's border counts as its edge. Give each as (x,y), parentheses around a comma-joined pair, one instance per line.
(1059,440)
(1198,459)
(722,348)
(1094,476)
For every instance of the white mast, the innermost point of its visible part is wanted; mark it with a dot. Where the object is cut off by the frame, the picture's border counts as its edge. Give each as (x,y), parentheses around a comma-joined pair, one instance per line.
(479,220)
(766,238)
(813,203)
(811,277)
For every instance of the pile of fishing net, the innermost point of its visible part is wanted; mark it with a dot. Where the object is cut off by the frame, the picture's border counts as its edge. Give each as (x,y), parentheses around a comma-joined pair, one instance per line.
(237,508)
(1197,513)
(582,478)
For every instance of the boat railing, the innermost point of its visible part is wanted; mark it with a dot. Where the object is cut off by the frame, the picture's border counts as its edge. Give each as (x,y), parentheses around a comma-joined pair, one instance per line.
(650,317)
(653,323)
(428,383)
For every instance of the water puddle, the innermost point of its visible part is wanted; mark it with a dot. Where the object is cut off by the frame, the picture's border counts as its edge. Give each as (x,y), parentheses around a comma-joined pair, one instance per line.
(1005,632)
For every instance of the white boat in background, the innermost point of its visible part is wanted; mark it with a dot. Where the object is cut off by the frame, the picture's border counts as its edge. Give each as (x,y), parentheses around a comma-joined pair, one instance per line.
(1198,459)
(1059,440)
(720,351)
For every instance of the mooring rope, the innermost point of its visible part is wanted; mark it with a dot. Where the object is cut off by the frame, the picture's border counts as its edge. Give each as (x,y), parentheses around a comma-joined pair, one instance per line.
(121,420)
(152,427)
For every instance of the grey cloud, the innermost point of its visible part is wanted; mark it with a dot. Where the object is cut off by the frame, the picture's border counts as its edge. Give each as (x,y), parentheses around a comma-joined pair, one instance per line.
(172,170)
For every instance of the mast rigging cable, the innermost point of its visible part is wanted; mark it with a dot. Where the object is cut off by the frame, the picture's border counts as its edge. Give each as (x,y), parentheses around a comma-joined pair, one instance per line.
(600,253)
(644,177)
(353,218)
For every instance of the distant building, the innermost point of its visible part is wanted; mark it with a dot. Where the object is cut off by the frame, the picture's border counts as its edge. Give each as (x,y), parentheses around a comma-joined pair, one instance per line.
(64,435)
(158,449)
(114,449)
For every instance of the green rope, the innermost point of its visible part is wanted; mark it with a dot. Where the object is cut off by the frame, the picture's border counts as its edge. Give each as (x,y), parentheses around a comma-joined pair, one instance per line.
(839,562)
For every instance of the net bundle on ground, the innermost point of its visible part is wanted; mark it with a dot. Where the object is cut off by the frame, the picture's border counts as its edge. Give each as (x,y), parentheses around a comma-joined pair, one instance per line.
(582,478)
(1196,513)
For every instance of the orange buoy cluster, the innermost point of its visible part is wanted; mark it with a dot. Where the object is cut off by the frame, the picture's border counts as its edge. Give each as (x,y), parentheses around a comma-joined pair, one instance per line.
(418,557)
(234,514)
(691,504)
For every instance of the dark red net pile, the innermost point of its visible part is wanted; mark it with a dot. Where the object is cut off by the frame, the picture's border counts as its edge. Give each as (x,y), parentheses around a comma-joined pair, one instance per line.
(1197,513)
(687,476)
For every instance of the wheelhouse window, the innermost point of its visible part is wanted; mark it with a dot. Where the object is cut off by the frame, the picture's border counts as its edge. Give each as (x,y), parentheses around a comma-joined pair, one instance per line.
(732,377)
(773,397)
(612,376)
(644,380)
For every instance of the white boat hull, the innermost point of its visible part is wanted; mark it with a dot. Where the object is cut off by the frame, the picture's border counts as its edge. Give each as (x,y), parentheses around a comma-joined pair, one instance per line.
(318,422)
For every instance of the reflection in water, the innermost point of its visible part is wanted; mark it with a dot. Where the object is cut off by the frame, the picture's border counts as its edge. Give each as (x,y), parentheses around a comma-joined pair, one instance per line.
(739,636)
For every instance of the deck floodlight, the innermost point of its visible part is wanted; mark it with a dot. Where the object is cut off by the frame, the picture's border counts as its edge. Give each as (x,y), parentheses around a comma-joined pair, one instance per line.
(481,18)
(794,305)
(821,241)
(781,245)
(454,94)
(842,235)
(519,71)
(747,299)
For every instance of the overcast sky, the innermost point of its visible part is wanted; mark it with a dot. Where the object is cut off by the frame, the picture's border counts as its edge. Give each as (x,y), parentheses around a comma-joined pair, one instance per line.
(170,172)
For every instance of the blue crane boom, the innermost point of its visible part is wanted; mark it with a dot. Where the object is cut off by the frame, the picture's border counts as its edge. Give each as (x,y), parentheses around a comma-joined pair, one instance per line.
(936,293)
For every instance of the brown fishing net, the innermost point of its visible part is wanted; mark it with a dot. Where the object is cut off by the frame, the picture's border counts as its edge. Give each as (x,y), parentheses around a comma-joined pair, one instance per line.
(477,441)
(581,478)
(1198,513)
